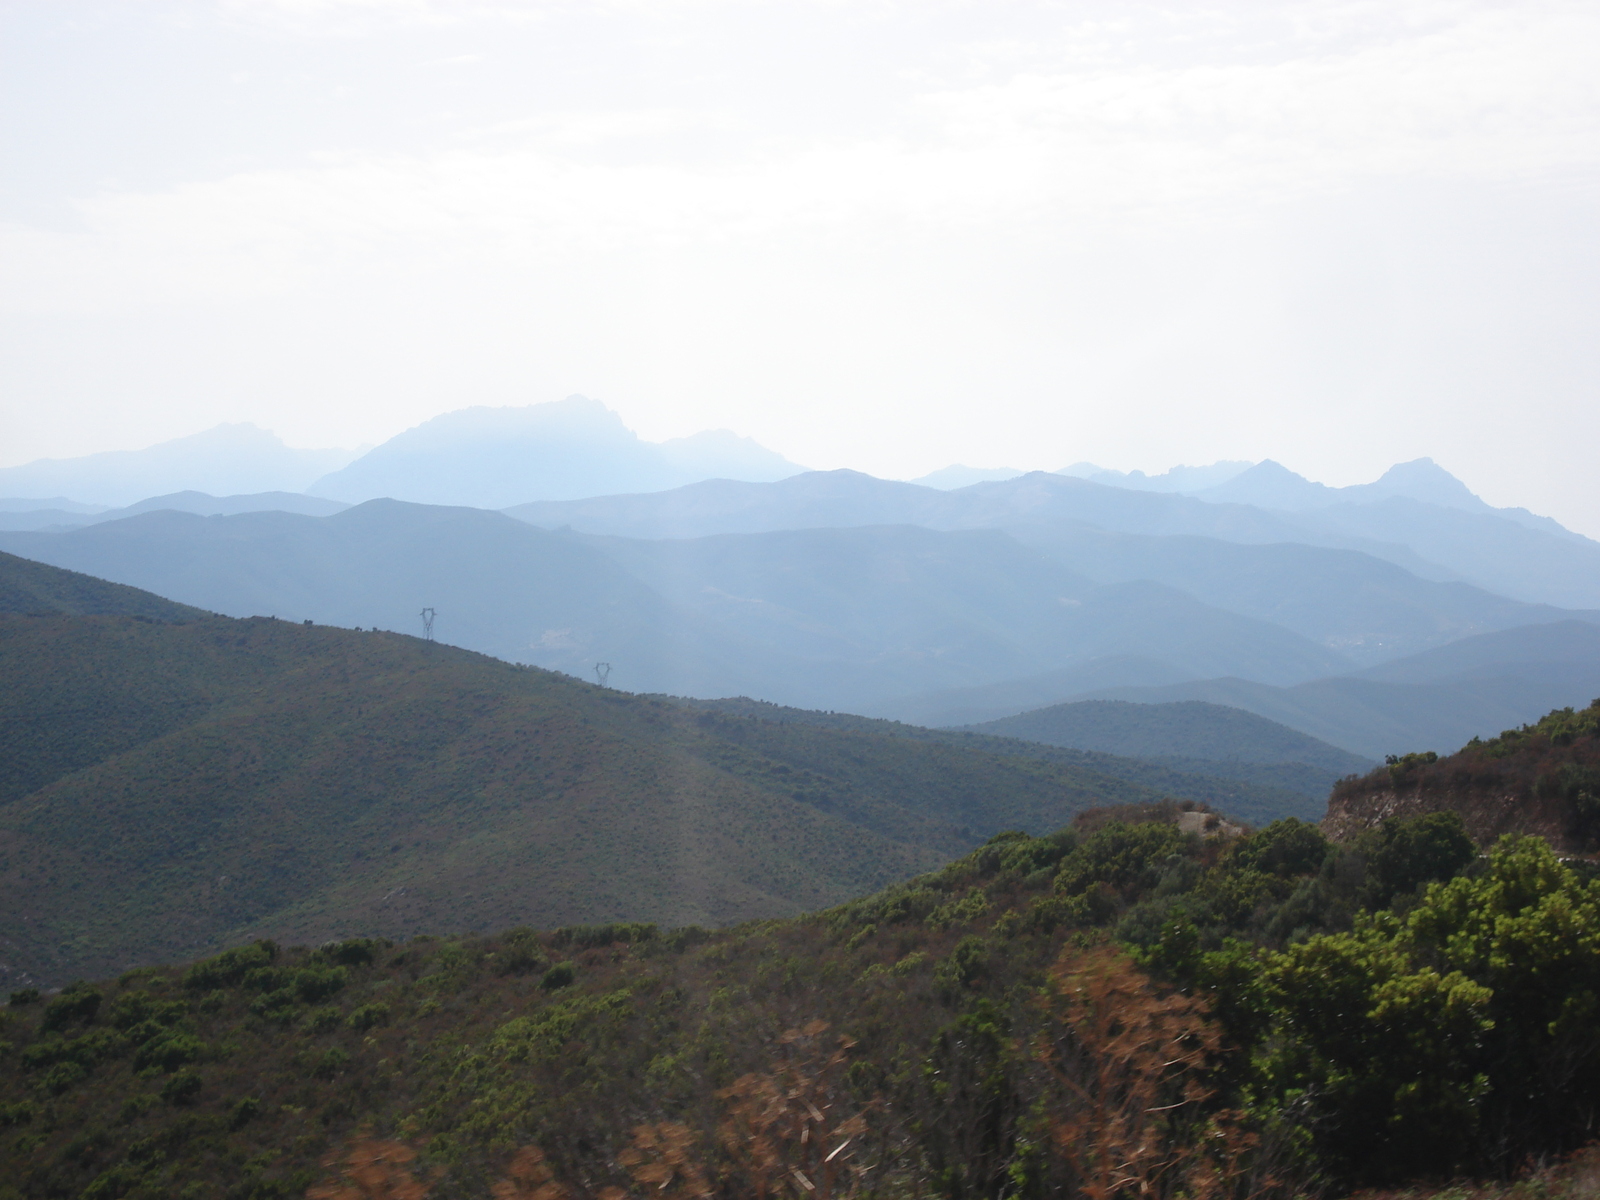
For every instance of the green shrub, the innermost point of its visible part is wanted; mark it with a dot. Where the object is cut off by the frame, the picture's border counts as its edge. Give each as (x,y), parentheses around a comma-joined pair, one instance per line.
(1404,854)
(1284,848)
(964,964)
(63,1076)
(182,1088)
(352,952)
(278,1007)
(318,983)
(244,1112)
(588,936)
(136,1106)
(24,996)
(140,1008)
(69,1007)
(333,1061)
(369,1015)
(1116,855)
(229,967)
(169,1053)
(559,976)
(321,1020)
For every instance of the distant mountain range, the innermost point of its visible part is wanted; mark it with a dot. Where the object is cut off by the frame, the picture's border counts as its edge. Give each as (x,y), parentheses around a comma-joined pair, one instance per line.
(832,618)
(940,602)
(483,457)
(1499,554)
(931,626)
(497,457)
(227,459)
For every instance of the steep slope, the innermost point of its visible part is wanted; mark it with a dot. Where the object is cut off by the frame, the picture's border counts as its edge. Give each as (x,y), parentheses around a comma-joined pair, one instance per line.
(1188,729)
(1543,779)
(169,787)
(32,587)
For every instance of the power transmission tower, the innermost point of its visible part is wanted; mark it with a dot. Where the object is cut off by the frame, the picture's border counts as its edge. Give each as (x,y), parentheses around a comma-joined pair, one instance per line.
(427,623)
(602,672)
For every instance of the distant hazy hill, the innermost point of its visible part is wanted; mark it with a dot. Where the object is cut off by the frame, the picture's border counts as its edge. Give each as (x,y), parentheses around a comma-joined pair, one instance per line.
(1354,603)
(199,503)
(1436,700)
(185,785)
(1506,551)
(1186,729)
(496,457)
(821,618)
(32,587)
(958,475)
(226,460)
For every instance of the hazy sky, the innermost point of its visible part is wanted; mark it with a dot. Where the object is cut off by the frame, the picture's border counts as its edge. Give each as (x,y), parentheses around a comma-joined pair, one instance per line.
(873,234)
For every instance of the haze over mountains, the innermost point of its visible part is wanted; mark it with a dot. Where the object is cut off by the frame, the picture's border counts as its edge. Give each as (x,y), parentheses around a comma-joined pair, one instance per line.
(942,602)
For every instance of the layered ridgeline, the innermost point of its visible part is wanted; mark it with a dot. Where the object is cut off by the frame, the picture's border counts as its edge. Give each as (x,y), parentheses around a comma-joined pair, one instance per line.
(1119,1008)
(1014,603)
(1254,792)
(174,783)
(1542,778)
(1191,736)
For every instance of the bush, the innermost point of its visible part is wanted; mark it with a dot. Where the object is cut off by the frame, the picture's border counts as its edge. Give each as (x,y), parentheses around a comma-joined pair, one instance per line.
(321,1020)
(352,952)
(169,1053)
(559,976)
(333,1060)
(24,996)
(70,1007)
(1402,855)
(369,1015)
(229,967)
(182,1088)
(1116,855)
(586,937)
(1284,848)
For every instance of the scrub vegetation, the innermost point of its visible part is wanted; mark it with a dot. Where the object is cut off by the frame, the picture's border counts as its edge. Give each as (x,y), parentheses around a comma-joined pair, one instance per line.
(1125,1007)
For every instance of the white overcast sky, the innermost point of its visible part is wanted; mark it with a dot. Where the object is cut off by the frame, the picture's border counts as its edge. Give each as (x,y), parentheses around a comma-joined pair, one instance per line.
(867,233)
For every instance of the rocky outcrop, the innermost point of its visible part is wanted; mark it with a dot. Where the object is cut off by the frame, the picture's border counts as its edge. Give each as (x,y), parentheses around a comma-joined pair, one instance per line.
(1487,813)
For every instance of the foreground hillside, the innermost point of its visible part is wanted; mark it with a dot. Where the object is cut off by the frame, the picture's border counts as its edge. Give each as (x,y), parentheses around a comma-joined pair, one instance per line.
(1119,1009)
(171,787)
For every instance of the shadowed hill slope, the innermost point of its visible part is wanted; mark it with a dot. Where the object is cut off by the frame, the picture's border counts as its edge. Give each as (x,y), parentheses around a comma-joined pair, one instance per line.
(1254,792)
(32,587)
(1184,729)
(172,787)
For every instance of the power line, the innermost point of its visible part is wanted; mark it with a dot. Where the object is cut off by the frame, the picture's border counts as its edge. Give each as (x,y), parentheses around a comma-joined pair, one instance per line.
(602,672)
(427,623)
